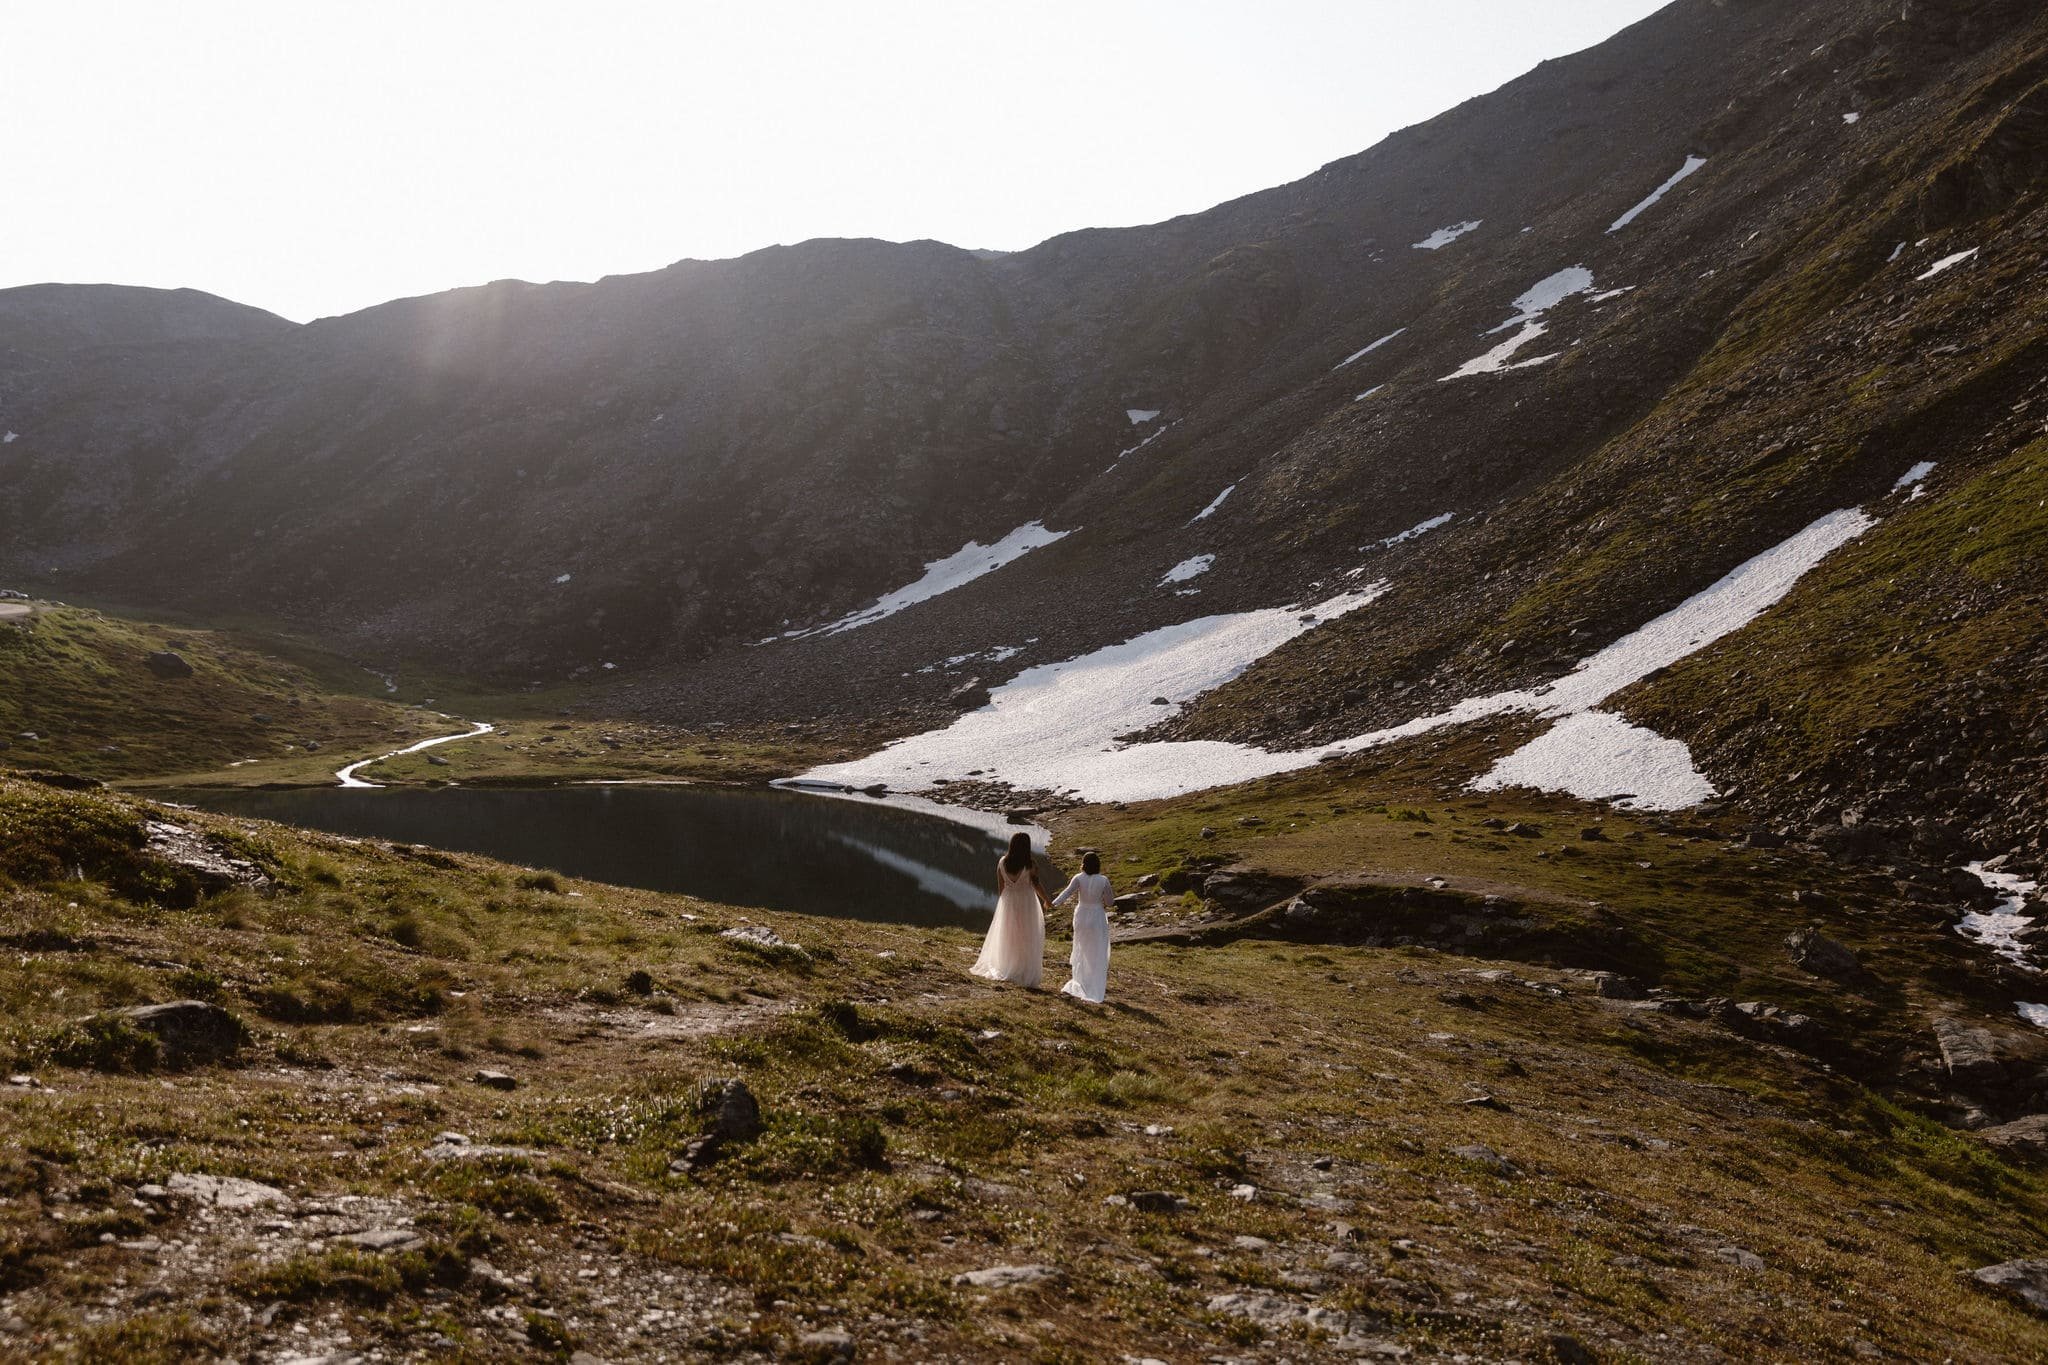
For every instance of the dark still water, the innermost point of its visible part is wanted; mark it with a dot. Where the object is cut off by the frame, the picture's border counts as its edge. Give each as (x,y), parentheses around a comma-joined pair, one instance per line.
(743,846)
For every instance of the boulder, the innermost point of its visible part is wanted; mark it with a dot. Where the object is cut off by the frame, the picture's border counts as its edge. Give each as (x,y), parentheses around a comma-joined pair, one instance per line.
(1241,890)
(225,1191)
(2029,1134)
(1815,952)
(191,1032)
(1615,986)
(733,1112)
(1988,1059)
(167,664)
(214,869)
(2026,1281)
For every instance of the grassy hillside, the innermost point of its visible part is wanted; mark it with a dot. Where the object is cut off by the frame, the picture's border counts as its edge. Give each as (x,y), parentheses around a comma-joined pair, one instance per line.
(1263,1148)
(80,682)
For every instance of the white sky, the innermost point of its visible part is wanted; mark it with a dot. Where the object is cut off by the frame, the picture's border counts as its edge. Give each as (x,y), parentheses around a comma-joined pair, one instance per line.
(314,158)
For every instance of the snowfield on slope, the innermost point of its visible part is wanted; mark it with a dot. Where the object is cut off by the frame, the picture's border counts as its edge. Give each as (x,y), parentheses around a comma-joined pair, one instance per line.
(1444,236)
(1692,163)
(971,561)
(1530,306)
(1188,568)
(1210,510)
(1055,727)
(1367,350)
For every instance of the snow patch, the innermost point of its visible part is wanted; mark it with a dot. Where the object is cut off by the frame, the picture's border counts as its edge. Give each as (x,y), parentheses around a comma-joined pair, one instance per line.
(1496,360)
(1914,475)
(1368,393)
(1132,450)
(1692,163)
(1444,236)
(1999,929)
(1367,350)
(1851,117)
(971,561)
(1140,416)
(1607,294)
(1210,510)
(1420,528)
(1055,726)
(10,438)
(1946,263)
(1897,251)
(1598,756)
(1188,568)
(994,656)
(1544,295)
(562,578)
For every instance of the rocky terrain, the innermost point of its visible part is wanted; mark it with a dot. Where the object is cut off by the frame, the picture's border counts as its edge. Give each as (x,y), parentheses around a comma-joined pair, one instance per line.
(281,1096)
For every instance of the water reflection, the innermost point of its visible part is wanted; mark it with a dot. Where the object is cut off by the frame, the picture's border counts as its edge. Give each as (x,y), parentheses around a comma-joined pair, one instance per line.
(742,846)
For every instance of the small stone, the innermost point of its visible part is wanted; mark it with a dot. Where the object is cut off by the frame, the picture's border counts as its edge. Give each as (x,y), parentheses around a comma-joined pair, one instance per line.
(1567,1349)
(1485,1156)
(1593,834)
(1740,1256)
(496,1080)
(1813,951)
(1615,986)
(829,1346)
(1244,1192)
(382,1239)
(1487,1102)
(734,1113)
(1007,1276)
(1244,1241)
(1158,1201)
(1208,831)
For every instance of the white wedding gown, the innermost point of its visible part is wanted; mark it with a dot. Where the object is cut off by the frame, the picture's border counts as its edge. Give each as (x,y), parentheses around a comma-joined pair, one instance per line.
(1091,896)
(1015,947)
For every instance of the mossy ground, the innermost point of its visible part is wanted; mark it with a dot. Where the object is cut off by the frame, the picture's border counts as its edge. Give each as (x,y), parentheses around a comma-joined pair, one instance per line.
(1675,1190)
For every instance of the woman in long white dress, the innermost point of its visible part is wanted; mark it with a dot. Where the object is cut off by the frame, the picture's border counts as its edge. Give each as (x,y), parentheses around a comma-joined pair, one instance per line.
(1015,948)
(1090,893)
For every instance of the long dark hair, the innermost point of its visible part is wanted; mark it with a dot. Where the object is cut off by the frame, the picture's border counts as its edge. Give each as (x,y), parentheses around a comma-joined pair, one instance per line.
(1091,863)
(1019,857)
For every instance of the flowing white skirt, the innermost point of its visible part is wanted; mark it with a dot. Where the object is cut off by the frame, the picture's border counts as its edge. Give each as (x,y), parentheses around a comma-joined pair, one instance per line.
(1015,947)
(1090,979)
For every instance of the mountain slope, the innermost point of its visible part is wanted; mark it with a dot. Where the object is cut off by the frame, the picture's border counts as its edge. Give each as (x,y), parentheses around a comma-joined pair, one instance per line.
(663,471)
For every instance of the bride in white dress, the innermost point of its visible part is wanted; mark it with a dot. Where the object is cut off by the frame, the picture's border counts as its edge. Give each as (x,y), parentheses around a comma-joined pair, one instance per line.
(1090,893)
(1015,948)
